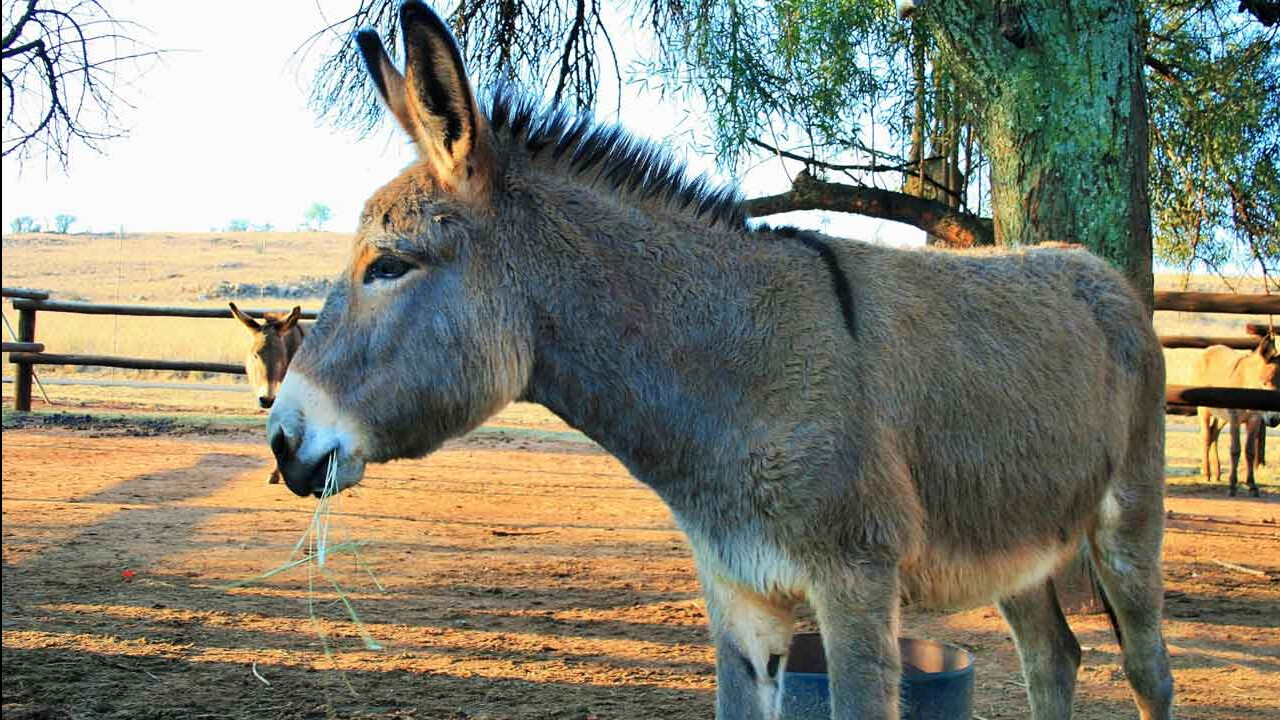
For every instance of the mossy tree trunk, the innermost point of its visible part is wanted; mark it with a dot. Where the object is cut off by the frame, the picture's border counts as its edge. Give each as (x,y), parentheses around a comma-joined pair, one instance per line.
(1065,120)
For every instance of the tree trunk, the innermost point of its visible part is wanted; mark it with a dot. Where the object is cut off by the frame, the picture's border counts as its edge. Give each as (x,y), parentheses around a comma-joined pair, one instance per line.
(1065,121)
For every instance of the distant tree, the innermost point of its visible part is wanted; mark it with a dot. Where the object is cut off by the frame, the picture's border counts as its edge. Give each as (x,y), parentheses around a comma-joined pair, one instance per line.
(63,223)
(317,215)
(238,225)
(22,224)
(264,227)
(62,63)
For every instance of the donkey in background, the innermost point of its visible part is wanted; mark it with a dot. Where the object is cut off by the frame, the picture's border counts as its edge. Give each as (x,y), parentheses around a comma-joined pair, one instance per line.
(786,394)
(273,343)
(1221,366)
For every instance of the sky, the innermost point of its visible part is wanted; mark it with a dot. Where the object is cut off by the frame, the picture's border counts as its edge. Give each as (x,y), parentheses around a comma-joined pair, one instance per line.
(220,130)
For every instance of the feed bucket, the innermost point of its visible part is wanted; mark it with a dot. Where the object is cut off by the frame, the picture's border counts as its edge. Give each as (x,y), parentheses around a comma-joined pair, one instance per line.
(937,681)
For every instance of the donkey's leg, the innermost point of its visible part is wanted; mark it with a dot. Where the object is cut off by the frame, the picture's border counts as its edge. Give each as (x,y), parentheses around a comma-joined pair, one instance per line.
(1235,451)
(752,636)
(858,616)
(1125,546)
(1261,441)
(1049,651)
(1252,429)
(1209,440)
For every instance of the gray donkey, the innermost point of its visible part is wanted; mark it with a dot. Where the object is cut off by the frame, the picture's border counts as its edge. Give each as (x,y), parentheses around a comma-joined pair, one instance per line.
(828,421)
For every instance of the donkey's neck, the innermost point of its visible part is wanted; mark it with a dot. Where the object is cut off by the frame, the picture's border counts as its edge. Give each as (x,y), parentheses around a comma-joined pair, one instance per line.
(658,339)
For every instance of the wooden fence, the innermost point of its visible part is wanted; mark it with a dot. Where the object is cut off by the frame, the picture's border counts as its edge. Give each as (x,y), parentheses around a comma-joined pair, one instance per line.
(26,352)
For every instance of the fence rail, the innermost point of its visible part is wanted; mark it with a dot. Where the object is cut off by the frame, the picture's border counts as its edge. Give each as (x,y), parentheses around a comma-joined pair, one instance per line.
(84,308)
(14,292)
(1223,397)
(26,352)
(1218,303)
(1174,342)
(128,363)
(23,347)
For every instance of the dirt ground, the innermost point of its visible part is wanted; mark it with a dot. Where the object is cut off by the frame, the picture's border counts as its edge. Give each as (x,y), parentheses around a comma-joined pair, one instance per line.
(524,574)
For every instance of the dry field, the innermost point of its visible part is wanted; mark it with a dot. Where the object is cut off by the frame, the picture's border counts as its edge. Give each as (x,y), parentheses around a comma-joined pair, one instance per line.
(524,573)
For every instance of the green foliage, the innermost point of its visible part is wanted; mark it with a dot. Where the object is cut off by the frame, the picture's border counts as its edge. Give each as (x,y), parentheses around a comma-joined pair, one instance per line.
(1214,91)
(804,69)
(23,224)
(63,222)
(317,215)
(238,225)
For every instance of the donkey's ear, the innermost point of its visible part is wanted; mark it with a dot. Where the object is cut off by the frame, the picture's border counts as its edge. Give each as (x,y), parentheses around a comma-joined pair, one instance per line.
(245,319)
(386,78)
(452,135)
(1267,347)
(290,321)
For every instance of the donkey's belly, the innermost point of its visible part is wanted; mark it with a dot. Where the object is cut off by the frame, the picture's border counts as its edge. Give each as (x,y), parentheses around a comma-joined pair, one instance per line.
(943,580)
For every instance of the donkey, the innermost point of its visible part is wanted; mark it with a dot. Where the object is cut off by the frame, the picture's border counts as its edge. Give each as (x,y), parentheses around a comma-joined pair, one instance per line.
(274,343)
(774,387)
(1221,366)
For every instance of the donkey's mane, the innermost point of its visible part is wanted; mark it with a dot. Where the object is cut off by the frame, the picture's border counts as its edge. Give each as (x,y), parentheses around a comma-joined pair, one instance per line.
(611,155)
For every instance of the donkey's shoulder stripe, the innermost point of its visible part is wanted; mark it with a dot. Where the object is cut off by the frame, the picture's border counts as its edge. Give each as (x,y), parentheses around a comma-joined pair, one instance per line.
(839,282)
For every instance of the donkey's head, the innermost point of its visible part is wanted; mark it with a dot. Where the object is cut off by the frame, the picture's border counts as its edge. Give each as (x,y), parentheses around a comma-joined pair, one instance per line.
(1262,366)
(425,334)
(270,348)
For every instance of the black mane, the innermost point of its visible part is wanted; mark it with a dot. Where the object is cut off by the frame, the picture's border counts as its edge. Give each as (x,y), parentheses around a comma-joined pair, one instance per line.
(619,159)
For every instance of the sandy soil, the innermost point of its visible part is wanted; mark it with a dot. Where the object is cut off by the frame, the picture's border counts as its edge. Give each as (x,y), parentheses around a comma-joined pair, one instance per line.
(525,575)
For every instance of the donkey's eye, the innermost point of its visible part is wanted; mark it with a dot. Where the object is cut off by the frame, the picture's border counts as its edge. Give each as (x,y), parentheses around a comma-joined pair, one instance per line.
(387,267)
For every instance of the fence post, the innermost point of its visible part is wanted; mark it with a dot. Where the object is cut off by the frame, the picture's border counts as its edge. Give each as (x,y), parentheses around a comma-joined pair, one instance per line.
(23,371)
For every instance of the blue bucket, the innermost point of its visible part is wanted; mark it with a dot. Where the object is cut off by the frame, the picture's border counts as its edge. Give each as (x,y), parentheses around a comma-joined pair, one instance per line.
(937,681)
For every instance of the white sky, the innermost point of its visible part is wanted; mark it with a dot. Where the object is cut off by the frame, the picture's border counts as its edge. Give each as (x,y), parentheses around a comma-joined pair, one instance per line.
(221,130)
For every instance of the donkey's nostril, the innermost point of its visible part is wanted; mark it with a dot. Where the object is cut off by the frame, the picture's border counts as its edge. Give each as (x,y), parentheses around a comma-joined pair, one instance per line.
(281,448)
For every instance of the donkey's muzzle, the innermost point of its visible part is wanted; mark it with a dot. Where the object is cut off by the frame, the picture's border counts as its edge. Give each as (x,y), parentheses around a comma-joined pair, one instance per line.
(300,477)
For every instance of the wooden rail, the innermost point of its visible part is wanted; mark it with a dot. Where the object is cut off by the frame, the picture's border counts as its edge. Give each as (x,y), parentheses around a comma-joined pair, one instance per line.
(13,292)
(43,358)
(22,347)
(84,308)
(1223,397)
(1218,303)
(1197,341)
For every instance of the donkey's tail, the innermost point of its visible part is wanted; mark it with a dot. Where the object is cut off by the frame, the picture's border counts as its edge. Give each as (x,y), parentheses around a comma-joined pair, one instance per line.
(1106,604)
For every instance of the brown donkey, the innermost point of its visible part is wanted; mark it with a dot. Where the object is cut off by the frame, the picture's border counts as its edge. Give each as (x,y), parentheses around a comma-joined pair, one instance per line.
(273,344)
(1221,366)
(787,395)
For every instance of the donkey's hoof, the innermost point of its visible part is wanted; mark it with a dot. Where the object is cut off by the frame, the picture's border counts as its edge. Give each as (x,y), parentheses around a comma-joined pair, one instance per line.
(1231,492)
(274,479)
(1255,492)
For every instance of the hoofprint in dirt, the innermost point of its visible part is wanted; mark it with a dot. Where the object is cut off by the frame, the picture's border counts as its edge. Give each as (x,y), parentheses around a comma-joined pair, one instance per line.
(526,575)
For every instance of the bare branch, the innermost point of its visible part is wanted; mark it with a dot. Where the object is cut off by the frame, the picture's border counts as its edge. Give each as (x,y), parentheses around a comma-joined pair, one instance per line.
(954,228)
(59,72)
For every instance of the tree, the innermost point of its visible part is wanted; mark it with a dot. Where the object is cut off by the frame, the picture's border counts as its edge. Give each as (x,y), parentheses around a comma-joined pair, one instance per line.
(317,215)
(892,120)
(60,65)
(63,223)
(22,224)
(238,225)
